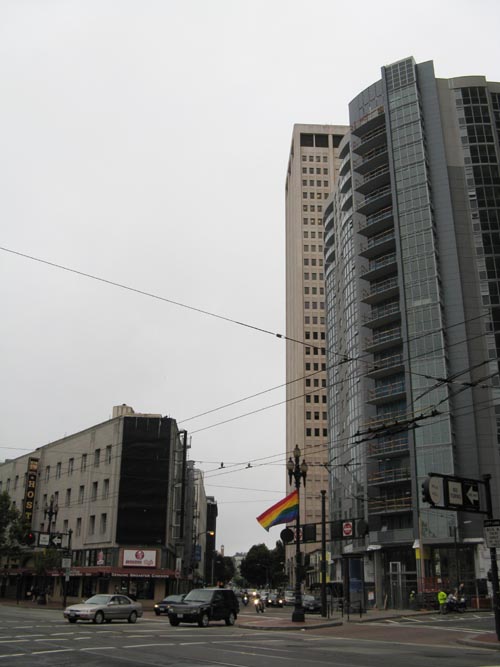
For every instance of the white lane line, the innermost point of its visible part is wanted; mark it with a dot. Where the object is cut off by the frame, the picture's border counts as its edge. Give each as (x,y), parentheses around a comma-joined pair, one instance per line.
(191,643)
(56,650)
(29,636)
(48,639)
(12,641)
(146,645)
(12,655)
(99,648)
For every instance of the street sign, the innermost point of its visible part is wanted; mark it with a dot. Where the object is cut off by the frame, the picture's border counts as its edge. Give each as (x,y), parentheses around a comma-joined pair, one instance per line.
(55,540)
(66,563)
(44,540)
(436,490)
(453,493)
(492,533)
(347,529)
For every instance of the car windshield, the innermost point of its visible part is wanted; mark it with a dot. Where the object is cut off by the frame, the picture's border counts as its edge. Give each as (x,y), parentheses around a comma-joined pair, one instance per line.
(173,598)
(198,595)
(98,599)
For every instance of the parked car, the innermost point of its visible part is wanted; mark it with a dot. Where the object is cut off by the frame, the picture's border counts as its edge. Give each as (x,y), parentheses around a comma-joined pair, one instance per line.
(289,597)
(311,604)
(100,608)
(202,605)
(162,607)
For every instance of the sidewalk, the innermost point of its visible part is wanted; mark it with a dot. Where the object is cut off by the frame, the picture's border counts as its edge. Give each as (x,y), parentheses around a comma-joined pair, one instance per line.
(315,621)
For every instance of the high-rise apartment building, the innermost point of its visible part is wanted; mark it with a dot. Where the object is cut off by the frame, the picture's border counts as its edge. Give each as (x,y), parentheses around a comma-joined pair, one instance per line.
(312,170)
(412,267)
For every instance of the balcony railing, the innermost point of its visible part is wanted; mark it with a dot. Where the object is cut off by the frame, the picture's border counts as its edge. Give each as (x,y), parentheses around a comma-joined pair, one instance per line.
(389,476)
(386,390)
(387,446)
(383,337)
(382,505)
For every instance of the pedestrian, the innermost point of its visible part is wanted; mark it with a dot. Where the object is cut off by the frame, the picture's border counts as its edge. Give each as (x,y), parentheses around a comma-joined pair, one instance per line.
(413,600)
(442,597)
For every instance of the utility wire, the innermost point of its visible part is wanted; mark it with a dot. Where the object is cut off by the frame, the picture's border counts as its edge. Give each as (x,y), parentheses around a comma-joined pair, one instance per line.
(151,295)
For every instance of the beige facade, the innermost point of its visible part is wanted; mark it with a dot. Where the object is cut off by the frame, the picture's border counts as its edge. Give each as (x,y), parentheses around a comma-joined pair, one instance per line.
(312,171)
(113,496)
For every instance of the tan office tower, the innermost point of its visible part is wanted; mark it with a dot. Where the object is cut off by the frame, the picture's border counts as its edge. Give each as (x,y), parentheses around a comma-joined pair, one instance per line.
(312,171)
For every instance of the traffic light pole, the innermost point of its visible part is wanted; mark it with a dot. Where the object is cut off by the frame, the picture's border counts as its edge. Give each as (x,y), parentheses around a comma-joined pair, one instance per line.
(493,556)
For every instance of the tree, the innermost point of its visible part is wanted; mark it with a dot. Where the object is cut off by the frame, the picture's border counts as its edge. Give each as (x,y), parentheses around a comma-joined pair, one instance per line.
(256,567)
(278,574)
(12,527)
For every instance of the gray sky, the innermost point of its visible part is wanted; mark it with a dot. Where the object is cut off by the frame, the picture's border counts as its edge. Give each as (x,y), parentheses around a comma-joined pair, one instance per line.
(146,142)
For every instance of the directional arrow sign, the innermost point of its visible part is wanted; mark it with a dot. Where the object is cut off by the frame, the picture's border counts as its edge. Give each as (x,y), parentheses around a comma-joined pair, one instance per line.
(471,494)
(56,540)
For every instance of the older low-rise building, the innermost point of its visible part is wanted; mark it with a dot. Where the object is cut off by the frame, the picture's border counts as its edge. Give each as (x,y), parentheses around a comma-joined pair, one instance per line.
(110,500)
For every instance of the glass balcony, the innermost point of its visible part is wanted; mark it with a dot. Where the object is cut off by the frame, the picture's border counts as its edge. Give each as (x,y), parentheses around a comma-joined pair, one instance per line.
(386,366)
(389,446)
(377,222)
(389,476)
(372,160)
(379,244)
(387,392)
(390,505)
(371,140)
(382,315)
(381,290)
(375,202)
(383,339)
(374,180)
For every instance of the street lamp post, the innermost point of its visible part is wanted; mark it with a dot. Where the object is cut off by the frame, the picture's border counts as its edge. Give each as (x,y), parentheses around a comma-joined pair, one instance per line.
(457,554)
(51,509)
(297,471)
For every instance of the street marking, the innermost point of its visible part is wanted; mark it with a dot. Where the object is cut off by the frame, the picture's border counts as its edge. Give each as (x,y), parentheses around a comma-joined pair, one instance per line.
(151,644)
(12,655)
(99,648)
(55,650)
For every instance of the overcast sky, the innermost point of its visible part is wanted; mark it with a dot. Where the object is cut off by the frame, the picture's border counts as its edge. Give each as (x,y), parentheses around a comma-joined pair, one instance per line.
(146,142)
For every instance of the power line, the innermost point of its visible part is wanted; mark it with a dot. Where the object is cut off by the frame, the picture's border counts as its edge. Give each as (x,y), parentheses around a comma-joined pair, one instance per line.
(151,295)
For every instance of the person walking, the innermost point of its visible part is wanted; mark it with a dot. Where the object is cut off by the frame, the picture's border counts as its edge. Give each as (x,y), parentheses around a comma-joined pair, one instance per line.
(442,597)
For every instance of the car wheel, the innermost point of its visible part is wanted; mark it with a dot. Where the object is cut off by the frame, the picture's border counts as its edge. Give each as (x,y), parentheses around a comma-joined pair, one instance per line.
(72,620)
(230,619)
(203,620)
(133,617)
(174,621)
(99,617)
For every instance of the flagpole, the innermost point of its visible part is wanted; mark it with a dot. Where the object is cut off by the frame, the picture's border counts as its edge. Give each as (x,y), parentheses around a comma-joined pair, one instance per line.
(297,472)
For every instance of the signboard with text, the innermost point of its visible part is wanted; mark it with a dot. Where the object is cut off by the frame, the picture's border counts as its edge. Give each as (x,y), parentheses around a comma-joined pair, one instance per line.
(139,558)
(29,494)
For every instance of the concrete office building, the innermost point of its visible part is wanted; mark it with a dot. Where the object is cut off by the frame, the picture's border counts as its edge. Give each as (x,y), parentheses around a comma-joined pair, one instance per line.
(113,498)
(312,171)
(412,265)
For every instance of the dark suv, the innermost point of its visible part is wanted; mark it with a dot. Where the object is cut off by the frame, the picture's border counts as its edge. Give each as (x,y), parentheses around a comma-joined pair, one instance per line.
(202,605)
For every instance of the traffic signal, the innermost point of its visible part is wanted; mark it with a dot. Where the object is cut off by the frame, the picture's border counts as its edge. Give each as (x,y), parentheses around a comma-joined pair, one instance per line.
(426,497)
(30,538)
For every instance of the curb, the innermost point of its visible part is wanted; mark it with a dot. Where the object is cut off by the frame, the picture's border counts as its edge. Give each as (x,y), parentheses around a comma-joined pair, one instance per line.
(296,627)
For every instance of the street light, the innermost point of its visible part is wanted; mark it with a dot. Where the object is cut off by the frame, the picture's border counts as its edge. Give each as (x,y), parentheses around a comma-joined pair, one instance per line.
(51,509)
(457,555)
(196,550)
(297,471)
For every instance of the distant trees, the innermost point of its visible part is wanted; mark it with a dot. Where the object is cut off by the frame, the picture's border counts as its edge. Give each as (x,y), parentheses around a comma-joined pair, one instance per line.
(12,528)
(264,567)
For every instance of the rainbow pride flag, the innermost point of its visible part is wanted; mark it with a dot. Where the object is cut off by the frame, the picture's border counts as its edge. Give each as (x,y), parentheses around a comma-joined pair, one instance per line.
(284,511)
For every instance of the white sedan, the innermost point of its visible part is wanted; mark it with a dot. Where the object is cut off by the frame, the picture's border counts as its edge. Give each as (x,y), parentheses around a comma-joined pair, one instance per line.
(100,608)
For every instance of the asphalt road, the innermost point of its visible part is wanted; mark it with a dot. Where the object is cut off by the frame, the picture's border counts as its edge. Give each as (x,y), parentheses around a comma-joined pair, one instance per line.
(41,637)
